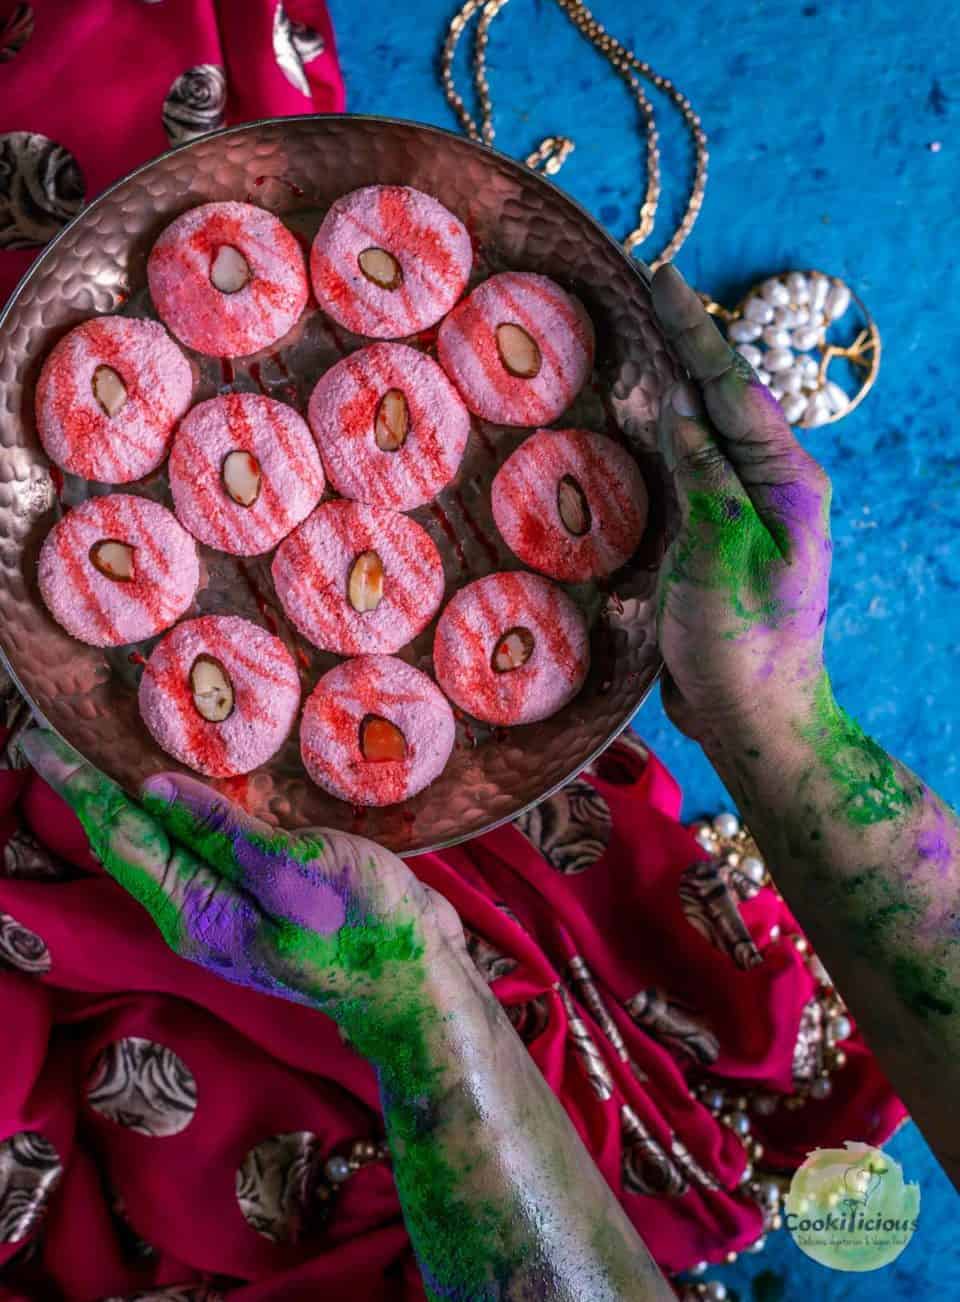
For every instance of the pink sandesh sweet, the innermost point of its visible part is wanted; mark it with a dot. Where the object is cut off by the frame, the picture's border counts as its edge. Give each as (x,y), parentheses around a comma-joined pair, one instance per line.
(585,477)
(228,323)
(429,257)
(115,611)
(499,620)
(343,414)
(382,690)
(329,566)
(470,352)
(265,691)
(144,378)
(282,468)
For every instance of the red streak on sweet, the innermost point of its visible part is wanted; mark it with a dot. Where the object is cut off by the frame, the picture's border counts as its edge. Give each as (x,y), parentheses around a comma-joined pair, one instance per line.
(103,611)
(525,503)
(472,626)
(312,569)
(387,689)
(265,686)
(342,414)
(430,245)
(266,614)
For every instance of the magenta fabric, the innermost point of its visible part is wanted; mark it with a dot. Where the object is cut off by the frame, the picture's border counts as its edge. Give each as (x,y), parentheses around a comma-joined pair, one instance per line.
(567,938)
(93,76)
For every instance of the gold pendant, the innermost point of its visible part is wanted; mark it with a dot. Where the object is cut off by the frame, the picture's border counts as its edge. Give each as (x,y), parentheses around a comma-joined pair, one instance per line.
(791,328)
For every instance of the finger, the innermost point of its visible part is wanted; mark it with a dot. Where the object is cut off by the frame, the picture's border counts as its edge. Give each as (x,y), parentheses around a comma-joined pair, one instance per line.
(306,880)
(751,426)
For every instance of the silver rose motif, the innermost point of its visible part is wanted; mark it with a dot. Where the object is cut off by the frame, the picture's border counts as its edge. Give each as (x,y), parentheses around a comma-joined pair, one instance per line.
(572,829)
(22,948)
(277,1183)
(41,189)
(294,45)
(30,1170)
(143,1086)
(195,103)
(15,31)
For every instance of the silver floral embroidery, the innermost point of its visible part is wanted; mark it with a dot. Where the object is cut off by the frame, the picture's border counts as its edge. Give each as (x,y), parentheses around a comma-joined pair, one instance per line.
(195,103)
(571,829)
(586,1049)
(15,31)
(143,1086)
(708,904)
(30,1170)
(277,1184)
(22,948)
(41,189)
(294,46)
(666,1020)
(808,1048)
(646,1165)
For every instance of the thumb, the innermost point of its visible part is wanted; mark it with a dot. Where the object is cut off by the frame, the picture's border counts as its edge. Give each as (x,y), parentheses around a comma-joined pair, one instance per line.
(698,463)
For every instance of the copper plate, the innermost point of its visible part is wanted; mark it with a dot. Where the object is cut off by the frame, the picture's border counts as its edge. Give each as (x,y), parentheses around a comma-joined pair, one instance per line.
(296,167)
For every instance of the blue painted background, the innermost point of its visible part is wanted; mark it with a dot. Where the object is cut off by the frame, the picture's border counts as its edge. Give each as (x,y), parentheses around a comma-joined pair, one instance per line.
(820,118)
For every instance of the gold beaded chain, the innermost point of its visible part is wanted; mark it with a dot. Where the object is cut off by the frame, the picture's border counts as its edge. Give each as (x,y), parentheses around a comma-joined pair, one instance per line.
(554,150)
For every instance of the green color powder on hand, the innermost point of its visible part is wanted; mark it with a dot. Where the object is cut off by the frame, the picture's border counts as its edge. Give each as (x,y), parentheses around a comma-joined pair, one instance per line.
(863,774)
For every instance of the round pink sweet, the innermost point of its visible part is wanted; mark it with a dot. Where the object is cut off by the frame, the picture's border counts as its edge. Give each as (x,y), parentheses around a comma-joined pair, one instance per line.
(76,432)
(206,318)
(432,247)
(115,612)
(391,690)
(291,476)
(311,573)
(342,414)
(266,690)
(524,502)
(471,628)
(554,319)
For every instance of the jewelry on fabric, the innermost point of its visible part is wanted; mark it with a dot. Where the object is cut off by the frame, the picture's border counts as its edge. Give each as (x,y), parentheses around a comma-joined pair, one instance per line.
(554,150)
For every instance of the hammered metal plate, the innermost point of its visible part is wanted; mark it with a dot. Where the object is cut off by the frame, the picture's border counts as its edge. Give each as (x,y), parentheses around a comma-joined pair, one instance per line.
(296,167)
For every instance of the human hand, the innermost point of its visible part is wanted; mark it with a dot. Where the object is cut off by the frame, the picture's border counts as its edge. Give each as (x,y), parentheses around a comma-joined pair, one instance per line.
(325,919)
(743,587)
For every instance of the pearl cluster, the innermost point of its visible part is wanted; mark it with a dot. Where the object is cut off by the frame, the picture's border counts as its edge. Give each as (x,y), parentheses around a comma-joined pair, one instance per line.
(338,1168)
(775,331)
(724,838)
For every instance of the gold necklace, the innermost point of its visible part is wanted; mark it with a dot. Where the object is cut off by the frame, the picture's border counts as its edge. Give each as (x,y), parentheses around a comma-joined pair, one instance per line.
(552,152)
(781,326)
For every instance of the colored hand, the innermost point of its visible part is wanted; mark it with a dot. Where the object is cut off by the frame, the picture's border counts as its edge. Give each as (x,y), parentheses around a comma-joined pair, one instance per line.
(328,919)
(743,588)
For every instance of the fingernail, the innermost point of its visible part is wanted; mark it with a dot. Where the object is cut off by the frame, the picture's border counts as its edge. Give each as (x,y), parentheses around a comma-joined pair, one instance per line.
(160,788)
(685,401)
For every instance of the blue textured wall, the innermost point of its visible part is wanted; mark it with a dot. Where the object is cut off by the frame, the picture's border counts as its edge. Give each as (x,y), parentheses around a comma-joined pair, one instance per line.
(821,116)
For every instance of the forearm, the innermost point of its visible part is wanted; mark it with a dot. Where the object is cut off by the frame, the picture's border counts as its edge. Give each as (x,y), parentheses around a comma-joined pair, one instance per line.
(869,860)
(500,1197)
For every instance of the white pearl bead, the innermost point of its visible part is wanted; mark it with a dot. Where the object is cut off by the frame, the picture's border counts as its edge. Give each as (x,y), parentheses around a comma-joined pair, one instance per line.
(836,302)
(753,868)
(756,309)
(744,332)
(836,397)
(799,287)
(816,319)
(821,1088)
(779,359)
(751,353)
(765,1104)
(809,366)
(758,1245)
(714,1100)
(775,292)
(775,338)
(763,376)
(705,836)
(801,316)
(699,1269)
(794,407)
(791,381)
(819,288)
(785,318)
(770,1191)
(715,1291)
(805,338)
(817,410)
(726,825)
(841,1027)
(337,1169)
(777,391)
(739,1123)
